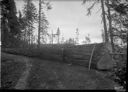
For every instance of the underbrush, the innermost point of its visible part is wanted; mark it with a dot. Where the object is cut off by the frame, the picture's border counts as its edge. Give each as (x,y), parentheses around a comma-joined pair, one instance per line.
(119,74)
(119,71)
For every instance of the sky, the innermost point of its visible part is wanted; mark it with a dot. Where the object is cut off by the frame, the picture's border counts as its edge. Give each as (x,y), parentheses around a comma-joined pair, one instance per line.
(69,15)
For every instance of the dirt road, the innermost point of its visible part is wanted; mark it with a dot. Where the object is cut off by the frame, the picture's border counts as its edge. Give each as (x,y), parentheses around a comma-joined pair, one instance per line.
(43,74)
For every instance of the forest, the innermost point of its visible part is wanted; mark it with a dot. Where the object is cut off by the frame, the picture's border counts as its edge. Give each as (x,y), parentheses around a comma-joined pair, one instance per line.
(38,55)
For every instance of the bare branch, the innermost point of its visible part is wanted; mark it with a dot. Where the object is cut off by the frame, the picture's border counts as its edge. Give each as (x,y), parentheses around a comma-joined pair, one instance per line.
(89,9)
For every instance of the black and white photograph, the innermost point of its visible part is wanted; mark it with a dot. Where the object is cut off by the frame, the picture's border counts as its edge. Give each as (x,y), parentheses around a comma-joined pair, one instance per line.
(63,44)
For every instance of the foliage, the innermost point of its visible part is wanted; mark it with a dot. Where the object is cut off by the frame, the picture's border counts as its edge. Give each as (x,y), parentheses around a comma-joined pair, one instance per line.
(43,22)
(62,40)
(58,34)
(119,31)
(28,19)
(119,71)
(87,40)
(70,41)
(29,12)
(9,24)
(119,20)
(77,36)
(119,13)
(120,74)
(43,28)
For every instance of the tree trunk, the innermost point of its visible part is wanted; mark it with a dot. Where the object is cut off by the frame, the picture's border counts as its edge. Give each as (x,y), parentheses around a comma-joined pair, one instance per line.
(30,34)
(110,26)
(52,36)
(58,39)
(25,35)
(26,29)
(104,21)
(39,23)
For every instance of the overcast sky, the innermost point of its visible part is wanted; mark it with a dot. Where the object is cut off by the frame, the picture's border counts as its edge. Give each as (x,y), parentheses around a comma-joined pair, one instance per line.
(69,15)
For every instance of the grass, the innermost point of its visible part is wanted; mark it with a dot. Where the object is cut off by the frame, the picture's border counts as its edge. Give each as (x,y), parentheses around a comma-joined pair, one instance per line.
(57,75)
(11,71)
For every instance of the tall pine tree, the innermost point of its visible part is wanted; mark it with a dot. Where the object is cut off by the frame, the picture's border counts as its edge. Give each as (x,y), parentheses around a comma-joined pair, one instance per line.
(10,29)
(42,22)
(29,18)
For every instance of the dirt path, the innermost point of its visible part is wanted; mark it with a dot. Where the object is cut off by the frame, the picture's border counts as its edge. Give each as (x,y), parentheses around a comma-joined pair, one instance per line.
(22,79)
(43,74)
(54,75)
(21,84)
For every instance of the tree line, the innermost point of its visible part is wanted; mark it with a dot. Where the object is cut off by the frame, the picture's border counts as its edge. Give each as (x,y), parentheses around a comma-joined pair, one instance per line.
(17,28)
